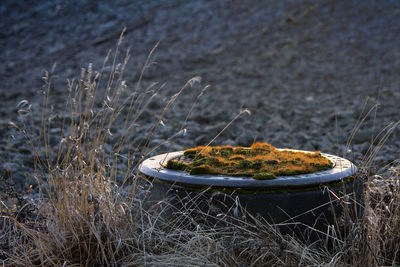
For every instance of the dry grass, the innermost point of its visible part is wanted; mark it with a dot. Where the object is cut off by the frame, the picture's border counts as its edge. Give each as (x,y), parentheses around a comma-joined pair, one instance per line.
(82,218)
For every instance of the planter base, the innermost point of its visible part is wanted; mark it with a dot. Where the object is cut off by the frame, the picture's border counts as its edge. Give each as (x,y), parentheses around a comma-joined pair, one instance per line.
(292,212)
(295,204)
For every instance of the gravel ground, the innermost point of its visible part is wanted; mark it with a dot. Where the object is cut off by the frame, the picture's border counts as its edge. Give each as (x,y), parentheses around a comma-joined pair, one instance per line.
(307,70)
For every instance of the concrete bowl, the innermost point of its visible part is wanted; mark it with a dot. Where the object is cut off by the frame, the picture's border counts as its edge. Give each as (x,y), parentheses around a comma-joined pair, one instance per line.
(294,203)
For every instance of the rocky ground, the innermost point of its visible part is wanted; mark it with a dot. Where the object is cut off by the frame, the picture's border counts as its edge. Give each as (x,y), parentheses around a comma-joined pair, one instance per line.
(307,70)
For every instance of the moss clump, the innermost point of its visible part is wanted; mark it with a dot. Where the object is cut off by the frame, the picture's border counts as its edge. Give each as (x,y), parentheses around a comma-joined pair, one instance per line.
(190,153)
(264,176)
(203,169)
(175,165)
(244,164)
(237,157)
(262,161)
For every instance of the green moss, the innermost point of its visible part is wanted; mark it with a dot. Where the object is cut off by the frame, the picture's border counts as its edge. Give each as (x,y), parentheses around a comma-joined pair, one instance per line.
(256,165)
(264,176)
(213,161)
(242,151)
(202,169)
(226,151)
(244,164)
(190,153)
(175,165)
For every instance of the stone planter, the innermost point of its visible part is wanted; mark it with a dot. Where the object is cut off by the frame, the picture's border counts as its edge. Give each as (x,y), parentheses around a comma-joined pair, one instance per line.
(294,202)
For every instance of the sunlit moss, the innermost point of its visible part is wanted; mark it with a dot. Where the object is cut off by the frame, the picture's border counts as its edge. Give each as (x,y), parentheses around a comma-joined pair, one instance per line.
(261,161)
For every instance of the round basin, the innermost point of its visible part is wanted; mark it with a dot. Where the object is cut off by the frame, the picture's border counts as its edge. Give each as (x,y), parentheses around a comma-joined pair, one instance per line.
(299,201)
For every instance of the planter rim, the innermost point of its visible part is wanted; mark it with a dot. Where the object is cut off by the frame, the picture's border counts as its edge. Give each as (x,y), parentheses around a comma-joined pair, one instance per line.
(153,167)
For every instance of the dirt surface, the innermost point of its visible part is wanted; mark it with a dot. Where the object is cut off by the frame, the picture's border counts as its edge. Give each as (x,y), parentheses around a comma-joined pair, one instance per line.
(306,70)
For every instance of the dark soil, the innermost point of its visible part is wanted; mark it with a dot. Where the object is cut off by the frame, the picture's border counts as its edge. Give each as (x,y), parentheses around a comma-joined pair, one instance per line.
(307,70)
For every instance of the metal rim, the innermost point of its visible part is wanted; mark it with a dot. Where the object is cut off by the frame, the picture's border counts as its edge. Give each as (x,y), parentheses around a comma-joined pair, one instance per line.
(153,167)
